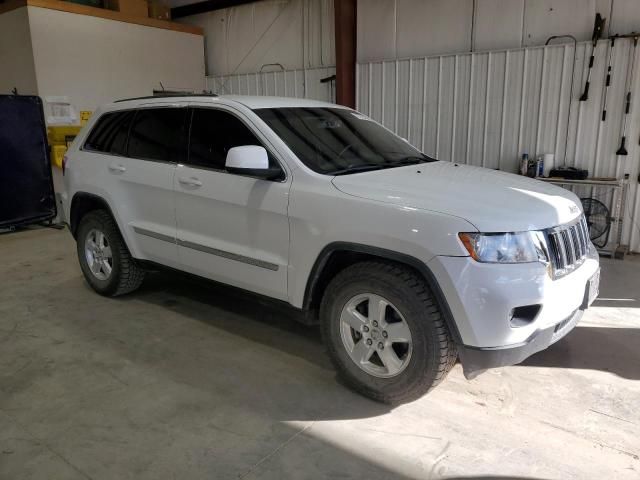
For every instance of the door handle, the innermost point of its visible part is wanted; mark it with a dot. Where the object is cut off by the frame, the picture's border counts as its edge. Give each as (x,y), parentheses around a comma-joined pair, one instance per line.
(190,182)
(117,168)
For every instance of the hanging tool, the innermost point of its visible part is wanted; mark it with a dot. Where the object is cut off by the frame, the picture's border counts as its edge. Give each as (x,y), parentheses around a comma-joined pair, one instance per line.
(632,60)
(598,27)
(570,98)
(608,81)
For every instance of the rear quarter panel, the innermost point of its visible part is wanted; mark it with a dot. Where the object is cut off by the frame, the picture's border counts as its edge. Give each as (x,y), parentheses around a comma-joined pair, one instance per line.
(87,173)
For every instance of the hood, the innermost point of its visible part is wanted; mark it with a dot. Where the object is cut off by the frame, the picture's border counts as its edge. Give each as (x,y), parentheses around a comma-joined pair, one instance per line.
(491,200)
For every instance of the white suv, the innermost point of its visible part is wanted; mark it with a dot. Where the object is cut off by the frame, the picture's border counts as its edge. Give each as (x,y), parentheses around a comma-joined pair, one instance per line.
(407,262)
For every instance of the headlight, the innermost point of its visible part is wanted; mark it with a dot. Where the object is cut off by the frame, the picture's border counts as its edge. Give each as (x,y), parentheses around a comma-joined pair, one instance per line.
(521,247)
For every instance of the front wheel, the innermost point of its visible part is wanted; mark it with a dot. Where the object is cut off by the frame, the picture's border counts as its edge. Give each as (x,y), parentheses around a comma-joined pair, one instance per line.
(385,333)
(104,258)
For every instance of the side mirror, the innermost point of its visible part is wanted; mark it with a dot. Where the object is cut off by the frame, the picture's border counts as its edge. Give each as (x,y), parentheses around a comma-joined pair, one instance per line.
(250,160)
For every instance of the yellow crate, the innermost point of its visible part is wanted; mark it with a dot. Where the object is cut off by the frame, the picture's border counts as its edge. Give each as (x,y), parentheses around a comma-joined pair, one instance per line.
(59,135)
(57,154)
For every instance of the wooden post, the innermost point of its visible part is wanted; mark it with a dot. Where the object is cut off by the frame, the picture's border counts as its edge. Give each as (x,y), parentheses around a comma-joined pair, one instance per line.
(345,26)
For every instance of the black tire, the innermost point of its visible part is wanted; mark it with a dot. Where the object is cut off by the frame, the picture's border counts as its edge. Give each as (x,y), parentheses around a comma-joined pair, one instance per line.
(126,274)
(434,352)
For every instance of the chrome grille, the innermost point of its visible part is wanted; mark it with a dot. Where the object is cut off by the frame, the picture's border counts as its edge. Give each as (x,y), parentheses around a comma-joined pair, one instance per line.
(568,246)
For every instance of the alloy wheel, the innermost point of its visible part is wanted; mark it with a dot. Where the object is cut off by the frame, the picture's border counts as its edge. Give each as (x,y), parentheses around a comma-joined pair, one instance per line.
(375,335)
(98,254)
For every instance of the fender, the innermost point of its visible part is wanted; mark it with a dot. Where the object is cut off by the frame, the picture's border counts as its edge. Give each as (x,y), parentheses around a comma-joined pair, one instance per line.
(83,198)
(384,254)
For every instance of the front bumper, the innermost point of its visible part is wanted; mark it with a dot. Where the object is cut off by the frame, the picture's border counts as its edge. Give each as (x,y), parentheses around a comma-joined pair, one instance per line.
(482,297)
(476,360)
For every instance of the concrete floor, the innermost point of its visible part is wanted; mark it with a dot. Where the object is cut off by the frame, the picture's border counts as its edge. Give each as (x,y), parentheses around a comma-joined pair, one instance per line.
(188,380)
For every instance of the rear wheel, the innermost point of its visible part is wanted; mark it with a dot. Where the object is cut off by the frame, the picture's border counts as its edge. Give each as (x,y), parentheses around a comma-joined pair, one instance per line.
(104,258)
(385,333)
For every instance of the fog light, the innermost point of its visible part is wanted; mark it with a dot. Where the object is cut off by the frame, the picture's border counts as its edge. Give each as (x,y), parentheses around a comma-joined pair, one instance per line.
(522,316)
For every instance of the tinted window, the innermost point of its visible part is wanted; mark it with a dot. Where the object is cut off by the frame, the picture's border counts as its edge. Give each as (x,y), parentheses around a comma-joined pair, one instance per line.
(158,134)
(213,133)
(110,133)
(338,141)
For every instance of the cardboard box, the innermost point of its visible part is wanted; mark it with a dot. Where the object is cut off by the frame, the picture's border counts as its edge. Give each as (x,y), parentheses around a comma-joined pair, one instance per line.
(159,10)
(134,8)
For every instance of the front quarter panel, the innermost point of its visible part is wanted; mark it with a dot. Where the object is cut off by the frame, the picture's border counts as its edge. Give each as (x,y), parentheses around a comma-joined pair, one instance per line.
(319,214)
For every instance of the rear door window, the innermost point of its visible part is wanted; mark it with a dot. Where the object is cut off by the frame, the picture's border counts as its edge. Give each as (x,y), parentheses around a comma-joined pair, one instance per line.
(158,134)
(109,135)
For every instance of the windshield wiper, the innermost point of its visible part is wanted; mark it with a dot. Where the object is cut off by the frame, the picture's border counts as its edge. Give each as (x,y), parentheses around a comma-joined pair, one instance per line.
(408,161)
(358,168)
(403,162)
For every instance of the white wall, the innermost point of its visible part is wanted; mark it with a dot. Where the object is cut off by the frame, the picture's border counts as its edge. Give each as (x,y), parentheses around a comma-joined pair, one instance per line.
(16,55)
(94,61)
(300,33)
(407,28)
(294,33)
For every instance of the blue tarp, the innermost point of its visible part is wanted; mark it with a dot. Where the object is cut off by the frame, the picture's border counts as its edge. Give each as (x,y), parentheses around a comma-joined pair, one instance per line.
(26,183)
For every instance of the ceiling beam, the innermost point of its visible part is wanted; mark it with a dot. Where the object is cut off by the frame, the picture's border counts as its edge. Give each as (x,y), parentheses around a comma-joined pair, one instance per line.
(206,6)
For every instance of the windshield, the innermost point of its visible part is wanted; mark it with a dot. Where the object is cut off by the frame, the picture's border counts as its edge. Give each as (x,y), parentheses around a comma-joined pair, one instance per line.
(337,141)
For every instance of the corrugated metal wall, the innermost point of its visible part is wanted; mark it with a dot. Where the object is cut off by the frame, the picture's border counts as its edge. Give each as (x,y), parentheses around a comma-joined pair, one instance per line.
(487,108)
(303,83)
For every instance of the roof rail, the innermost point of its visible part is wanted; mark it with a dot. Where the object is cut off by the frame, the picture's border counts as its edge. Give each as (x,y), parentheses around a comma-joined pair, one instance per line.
(167,95)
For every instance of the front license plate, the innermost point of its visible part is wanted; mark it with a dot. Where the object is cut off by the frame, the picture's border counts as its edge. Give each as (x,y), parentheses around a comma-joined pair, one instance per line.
(594,287)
